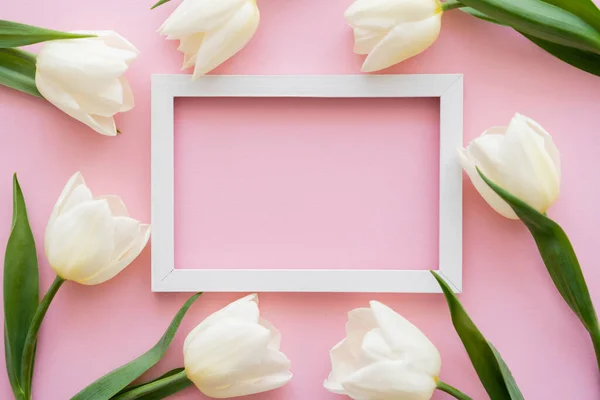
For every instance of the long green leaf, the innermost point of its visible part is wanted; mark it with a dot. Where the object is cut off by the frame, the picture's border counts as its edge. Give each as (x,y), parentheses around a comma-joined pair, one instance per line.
(115,381)
(584,9)
(159,3)
(21,288)
(17,71)
(542,20)
(584,60)
(558,256)
(15,34)
(155,389)
(491,369)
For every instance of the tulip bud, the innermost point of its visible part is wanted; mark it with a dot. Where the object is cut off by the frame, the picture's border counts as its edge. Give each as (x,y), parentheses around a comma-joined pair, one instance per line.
(84,78)
(383,357)
(90,240)
(211,31)
(521,158)
(390,31)
(235,353)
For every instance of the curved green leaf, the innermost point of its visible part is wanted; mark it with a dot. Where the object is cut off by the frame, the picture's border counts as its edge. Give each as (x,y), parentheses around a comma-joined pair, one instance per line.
(584,60)
(491,369)
(584,9)
(21,288)
(156,389)
(115,381)
(558,256)
(17,71)
(15,34)
(542,20)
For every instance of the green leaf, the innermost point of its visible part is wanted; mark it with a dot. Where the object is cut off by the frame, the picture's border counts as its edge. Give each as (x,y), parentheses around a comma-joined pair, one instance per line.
(113,382)
(156,389)
(21,288)
(17,71)
(584,9)
(584,60)
(558,256)
(491,369)
(160,3)
(14,34)
(542,20)
(480,15)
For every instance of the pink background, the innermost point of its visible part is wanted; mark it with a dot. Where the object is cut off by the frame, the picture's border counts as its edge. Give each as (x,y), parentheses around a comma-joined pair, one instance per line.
(307,183)
(91,330)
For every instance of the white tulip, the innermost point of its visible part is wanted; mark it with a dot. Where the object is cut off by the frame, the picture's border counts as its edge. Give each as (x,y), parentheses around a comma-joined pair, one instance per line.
(84,78)
(234,353)
(383,357)
(390,31)
(90,240)
(520,158)
(211,31)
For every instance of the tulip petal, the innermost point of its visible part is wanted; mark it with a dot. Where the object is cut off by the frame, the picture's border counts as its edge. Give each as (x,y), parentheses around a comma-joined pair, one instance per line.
(365,40)
(128,101)
(81,65)
(135,248)
(74,181)
(117,207)
(275,342)
(264,384)
(244,310)
(469,165)
(402,42)
(406,340)
(222,43)
(360,321)
(106,102)
(80,241)
(548,142)
(193,16)
(387,380)
(375,348)
(190,45)
(343,364)
(58,96)
(223,348)
(383,15)
(528,172)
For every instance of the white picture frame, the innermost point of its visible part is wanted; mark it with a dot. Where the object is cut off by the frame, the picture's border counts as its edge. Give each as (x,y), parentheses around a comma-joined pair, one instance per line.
(166,278)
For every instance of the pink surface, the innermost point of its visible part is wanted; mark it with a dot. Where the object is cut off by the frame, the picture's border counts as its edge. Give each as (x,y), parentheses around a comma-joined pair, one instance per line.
(306,183)
(90,330)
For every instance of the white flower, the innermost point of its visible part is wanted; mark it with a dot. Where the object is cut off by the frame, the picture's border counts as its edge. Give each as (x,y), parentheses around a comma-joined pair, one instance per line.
(84,78)
(234,353)
(383,357)
(390,31)
(211,31)
(521,158)
(90,240)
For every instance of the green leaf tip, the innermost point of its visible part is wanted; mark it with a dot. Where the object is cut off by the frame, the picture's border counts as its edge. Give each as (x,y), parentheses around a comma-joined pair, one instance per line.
(15,34)
(21,290)
(160,3)
(489,366)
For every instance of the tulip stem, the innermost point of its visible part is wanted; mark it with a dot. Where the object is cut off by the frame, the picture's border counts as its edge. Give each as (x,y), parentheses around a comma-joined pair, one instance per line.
(31,340)
(452,391)
(169,384)
(451,4)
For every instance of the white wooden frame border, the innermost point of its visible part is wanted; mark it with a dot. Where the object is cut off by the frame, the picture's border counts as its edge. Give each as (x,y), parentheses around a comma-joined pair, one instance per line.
(166,278)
